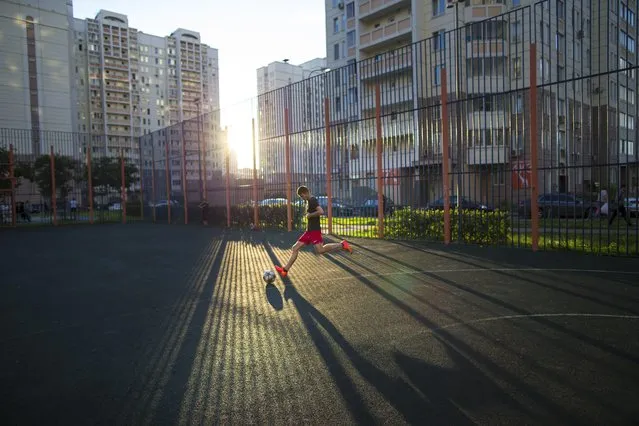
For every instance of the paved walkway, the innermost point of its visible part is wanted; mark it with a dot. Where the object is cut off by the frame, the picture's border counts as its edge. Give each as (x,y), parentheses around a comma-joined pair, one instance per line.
(156,324)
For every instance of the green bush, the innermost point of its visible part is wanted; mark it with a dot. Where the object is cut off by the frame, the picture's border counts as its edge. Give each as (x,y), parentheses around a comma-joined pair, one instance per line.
(477,227)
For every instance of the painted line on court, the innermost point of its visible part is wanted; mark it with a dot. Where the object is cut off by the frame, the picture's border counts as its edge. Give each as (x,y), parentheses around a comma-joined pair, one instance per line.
(449,271)
(528,316)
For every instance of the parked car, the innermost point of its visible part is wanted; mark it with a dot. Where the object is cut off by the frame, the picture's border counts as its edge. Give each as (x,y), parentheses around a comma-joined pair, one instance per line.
(164,203)
(369,208)
(466,204)
(340,208)
(558,205)
(632,205)
(275,202)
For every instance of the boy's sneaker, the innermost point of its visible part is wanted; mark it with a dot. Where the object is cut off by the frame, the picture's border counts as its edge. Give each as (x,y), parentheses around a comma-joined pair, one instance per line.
(281,271)
(347,247)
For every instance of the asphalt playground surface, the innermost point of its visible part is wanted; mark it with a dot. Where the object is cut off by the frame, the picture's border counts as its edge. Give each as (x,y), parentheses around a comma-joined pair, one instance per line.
(157,324)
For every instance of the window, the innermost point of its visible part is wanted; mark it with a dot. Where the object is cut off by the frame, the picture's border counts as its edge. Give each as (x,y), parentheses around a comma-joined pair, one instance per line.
(560,40)
(439,7)
(439,40)
(626,121)
(518,103)
(515,31)
(626,147)
(517,67)
(352,95)
(336,52)
(335,25)
(561,9)
(350,38)
(350,10)
(437,77)
(627,14)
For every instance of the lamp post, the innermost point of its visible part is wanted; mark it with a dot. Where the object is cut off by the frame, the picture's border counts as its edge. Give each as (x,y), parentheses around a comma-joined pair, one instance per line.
(199,150)
(460,164)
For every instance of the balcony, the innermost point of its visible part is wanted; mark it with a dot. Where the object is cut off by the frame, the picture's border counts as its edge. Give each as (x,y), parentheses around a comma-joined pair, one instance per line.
(488,84)
(386,64)
(373,9)
(116,77)
(492,154)
(386,35)
(118,99)
(121,89)
(481,12)
(124,133)
(390,96)
(486,48)
(117,66)
(117,110)
(487,120)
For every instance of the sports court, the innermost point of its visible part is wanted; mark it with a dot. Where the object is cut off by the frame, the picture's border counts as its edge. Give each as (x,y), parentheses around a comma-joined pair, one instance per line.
(158,324)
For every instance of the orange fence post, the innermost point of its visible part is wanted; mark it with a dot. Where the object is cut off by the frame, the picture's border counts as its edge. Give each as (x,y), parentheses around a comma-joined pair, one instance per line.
(534,208)
(228,186)
(54,201)
(380,165)
(289,190)
(123,179)
(256,210)
(184,189)
(329,165)
(446,155)
(90,183)
(168,184)
(12,185)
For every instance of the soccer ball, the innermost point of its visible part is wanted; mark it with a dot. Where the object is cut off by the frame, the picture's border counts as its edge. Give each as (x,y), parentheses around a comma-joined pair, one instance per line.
(269,276)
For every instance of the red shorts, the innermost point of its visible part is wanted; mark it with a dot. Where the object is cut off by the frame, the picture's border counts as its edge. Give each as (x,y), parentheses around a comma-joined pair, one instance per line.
(311,238)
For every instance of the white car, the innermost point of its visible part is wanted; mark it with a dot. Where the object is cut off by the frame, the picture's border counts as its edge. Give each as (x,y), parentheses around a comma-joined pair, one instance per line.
(632,205)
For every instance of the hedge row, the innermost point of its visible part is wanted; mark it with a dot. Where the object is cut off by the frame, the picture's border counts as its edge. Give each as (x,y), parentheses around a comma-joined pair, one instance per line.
(477,227)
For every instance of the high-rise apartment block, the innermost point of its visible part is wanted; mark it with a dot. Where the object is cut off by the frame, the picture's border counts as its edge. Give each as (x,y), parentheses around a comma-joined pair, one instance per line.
(401,46)
(305,106)
(130,84)
(103,84)
(35,63)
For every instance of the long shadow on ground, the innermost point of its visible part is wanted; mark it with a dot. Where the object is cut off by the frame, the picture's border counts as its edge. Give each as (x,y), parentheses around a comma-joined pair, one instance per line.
(396,391)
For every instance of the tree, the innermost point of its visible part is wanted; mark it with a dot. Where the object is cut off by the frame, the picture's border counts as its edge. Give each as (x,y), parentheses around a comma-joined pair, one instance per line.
(20,170)
(106,174)
(66,170)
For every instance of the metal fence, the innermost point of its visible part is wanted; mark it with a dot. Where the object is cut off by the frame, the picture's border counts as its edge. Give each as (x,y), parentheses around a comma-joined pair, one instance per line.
(518,130)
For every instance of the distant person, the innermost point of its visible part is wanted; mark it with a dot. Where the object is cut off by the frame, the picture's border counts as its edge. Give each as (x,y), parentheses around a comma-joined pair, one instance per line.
(204,205)
(74,209)
(313,234)
(620,208)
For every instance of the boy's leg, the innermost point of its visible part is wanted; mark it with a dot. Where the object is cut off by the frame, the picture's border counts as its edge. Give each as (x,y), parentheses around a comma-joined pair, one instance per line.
(327,248)
(283,271)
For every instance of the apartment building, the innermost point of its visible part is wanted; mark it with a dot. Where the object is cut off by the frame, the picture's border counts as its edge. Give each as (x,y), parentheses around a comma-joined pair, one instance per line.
(130,84)
(35,84)
(305,99)
(402,46)
(614,94)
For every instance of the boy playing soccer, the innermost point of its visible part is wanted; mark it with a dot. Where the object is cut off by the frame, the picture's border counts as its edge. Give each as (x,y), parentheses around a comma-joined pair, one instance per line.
(313,234)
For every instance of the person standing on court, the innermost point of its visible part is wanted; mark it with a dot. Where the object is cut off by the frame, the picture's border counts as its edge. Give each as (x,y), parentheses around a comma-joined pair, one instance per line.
(204,206)
(620,207)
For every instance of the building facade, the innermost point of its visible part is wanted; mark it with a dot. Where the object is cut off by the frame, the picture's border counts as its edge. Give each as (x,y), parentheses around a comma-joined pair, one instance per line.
(304,99)
(129,85)
(402,46)
(35,81)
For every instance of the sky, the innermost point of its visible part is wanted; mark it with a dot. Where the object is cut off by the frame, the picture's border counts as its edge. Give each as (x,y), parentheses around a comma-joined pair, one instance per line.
(248,34)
